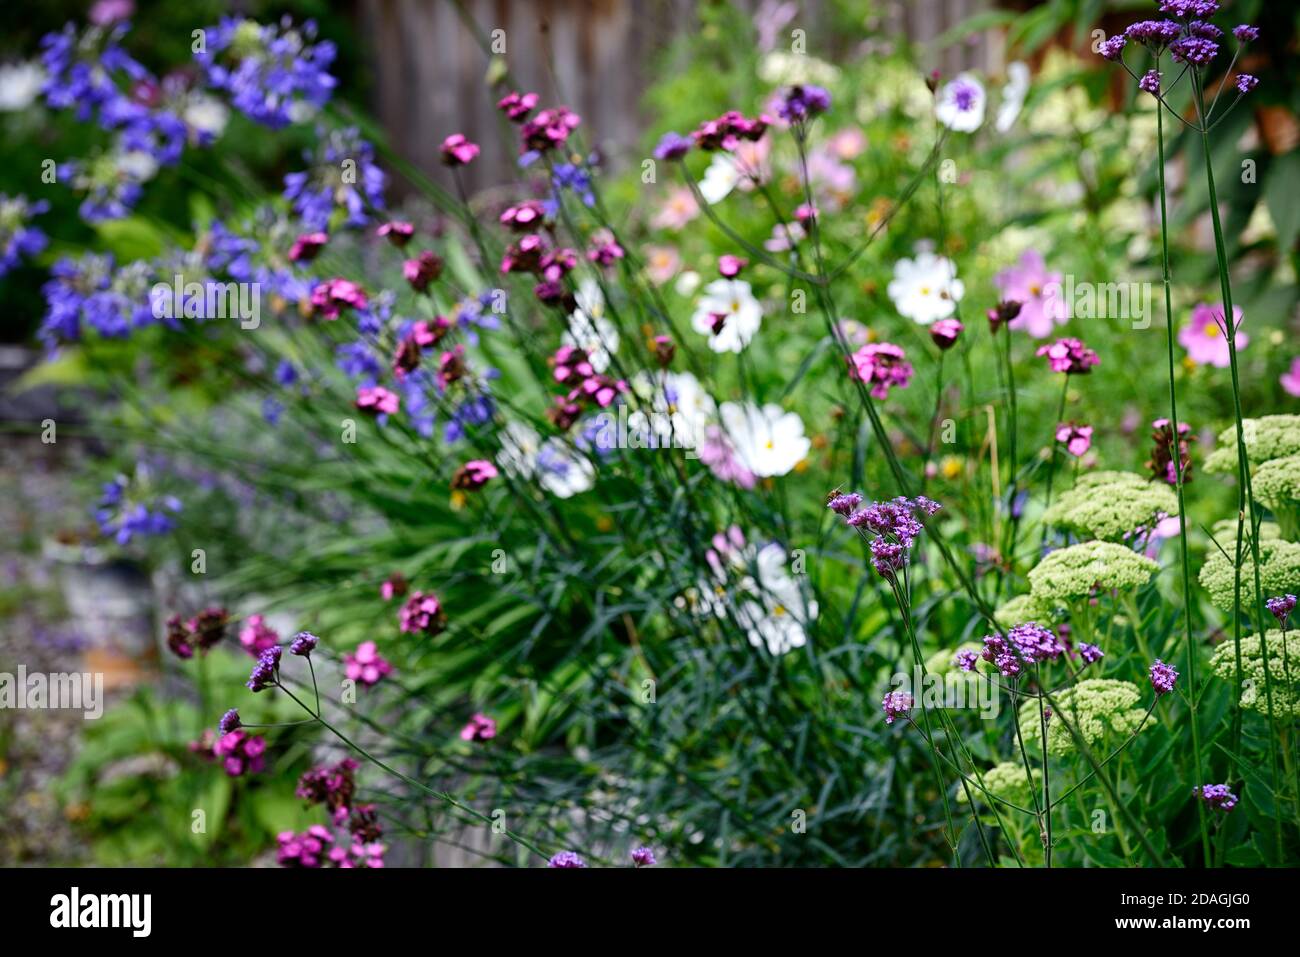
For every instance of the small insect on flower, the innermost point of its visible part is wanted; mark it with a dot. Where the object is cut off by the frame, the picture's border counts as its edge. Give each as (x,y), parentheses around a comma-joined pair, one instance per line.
(896,704)
(1163,677)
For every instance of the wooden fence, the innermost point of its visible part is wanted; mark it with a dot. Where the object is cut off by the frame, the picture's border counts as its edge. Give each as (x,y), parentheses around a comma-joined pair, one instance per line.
(593,55)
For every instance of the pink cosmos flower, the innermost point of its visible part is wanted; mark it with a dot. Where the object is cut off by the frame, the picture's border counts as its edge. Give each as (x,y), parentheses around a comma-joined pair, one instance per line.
(1204,337)
(678,209)
(1077,439)
(1291,380)
(661,263)
(377,400)
(1038,292)
(881,365)
(457,150)
(366,665)
(720,458)
(479,728)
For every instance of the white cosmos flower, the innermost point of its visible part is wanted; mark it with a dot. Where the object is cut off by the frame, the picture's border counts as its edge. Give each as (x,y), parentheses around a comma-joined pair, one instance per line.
(679,407)
(768,602)
(960,104)
(734,298)
(558,468)
(767,440)
(589,330)
(719,179)
(1013,95)
(20,84)
(926,288)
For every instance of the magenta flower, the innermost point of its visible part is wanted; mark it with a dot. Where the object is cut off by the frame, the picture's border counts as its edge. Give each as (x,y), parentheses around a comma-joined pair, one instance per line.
(377,400)
(457,150)
(396,232)
(966,659)
(1281,608)
(422,613)
(1077,439)
(241,752)
(1205,337)
(1163,677)
(366,665)
(945,332)
(643,857)
(566,860)
(307,246)
(881,365)
(479,728)
(422,270)
(394,586)
(1070,356)
(516,106)
(1291,379)
(729,266)
(896,704)
(474,474)
(256,637)
(1038,292)
(549,129)
(329,297)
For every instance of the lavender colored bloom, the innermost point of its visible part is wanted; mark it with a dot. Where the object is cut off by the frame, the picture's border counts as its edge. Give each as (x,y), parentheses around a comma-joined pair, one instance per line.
(1246,82)
(1163,677)
(1155,34)
(1216,796)
(322,188)
(1281,608)
(842,503)
(275,74)
(229,721)
(1194,50)
(1150,82)
(643,857)
(123,519)
(304,643)
(1090,653)
(568,177)
(802,102)
(18,239)
(266,671)
(967,659)
(888,558)
(896,704)
(673,146)
(1186,9)
(1245,33)
(1113,47)
(566,860)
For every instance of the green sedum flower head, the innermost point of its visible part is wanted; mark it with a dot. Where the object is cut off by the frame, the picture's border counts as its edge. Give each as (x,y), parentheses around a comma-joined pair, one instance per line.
(1099,709)
(1268,437)
(1112,505)
(1279,571)
(1283,671)
(1277,485)
(1023,608)
(1074,572)
(1008,782)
